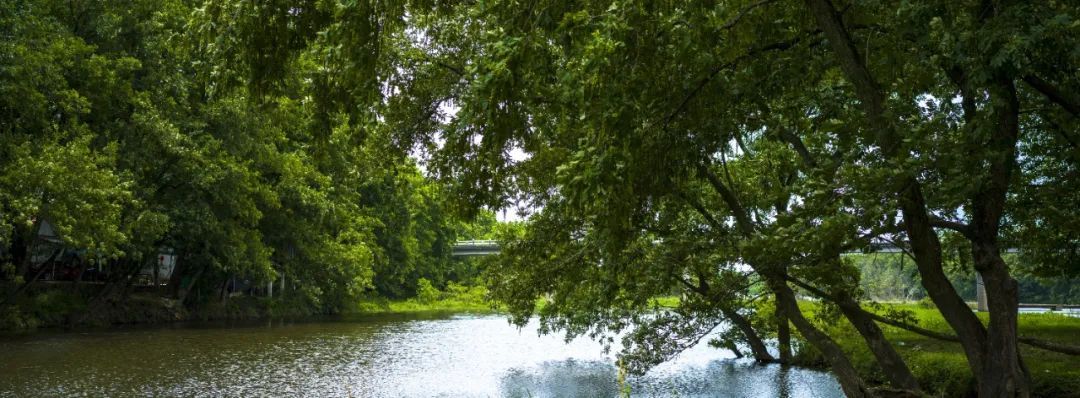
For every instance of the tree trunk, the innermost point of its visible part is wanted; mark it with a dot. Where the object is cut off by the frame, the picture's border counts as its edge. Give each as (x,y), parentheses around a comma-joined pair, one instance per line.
(18,254)
(757,346)
(982,352)
(783,334)
(223,294)
(845,372)
(1003,373)
(184,290)
(1002,362)
(888,359)
(890,362)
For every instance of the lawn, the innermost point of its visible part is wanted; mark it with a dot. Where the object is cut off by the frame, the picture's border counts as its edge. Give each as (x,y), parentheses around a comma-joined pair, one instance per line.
(941,367)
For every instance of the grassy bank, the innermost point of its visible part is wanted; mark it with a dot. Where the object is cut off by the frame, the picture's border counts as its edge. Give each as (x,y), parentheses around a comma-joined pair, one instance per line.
(941,367)
(382,305)
(455,298)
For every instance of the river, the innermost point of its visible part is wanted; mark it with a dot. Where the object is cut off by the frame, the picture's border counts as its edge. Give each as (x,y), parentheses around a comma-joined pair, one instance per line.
(419,356)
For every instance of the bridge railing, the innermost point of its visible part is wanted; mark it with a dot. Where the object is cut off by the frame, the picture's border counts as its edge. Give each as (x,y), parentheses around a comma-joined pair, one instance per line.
(466,248)
(476,243)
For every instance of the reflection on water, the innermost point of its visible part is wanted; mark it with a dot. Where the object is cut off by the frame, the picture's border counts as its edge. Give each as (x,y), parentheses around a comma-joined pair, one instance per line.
(717,379)
(453,356)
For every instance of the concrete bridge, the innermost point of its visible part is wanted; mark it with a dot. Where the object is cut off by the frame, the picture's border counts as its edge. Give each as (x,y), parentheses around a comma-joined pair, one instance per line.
(473,248)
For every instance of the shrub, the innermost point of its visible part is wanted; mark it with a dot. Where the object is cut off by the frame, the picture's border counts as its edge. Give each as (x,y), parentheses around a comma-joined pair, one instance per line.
(427,293)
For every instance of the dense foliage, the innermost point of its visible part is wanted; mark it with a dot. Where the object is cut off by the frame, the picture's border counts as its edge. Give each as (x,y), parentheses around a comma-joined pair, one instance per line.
(127,132)
(731,153)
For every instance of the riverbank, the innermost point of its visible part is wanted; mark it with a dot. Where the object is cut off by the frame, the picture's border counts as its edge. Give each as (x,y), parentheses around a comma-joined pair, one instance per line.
(940,366)
(69,308)
(73,309)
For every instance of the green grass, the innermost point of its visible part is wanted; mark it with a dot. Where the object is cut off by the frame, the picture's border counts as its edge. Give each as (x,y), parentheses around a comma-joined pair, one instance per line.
(456,298)
(382,305)
(941,367)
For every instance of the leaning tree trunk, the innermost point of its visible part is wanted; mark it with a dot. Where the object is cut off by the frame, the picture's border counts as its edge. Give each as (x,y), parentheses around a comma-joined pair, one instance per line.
(894,367)
(991,358)
(757,346)
(850,381)
(26,285)
(183,291)
(927,252)
(888,359)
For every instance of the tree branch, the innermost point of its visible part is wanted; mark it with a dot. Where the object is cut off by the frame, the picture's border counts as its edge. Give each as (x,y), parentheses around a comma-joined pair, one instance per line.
(697,206)
(779,46)
(742,219)
(866,87)
(1053,94)
(1049,345)
(746,10)
(957,226)
(799,146)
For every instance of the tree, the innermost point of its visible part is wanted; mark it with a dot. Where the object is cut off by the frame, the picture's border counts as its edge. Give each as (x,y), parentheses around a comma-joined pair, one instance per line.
(728,153)
(136,127)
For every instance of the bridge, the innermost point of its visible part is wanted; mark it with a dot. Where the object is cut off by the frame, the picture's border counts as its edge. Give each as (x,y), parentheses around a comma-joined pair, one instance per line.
(473,248)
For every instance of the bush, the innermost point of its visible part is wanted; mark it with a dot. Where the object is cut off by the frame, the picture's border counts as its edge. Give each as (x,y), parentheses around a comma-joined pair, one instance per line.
(427,293)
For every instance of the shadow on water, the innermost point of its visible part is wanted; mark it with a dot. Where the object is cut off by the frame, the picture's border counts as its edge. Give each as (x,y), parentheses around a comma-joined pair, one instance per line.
(567,378)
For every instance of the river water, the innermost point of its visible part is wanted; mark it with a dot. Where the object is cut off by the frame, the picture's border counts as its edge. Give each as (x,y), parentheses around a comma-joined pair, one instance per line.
(428,356)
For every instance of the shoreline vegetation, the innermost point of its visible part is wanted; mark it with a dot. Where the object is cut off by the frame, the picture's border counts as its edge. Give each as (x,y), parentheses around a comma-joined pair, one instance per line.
(67,309)
(455,298)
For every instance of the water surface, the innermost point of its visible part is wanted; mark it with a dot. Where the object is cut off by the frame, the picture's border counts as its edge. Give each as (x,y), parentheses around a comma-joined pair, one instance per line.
(433,356)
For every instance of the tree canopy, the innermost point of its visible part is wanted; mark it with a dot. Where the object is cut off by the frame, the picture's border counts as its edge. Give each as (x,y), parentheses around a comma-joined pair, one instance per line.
(727,152)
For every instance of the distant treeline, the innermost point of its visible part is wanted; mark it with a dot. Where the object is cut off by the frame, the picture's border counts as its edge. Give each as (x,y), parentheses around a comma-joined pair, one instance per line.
(894,277)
